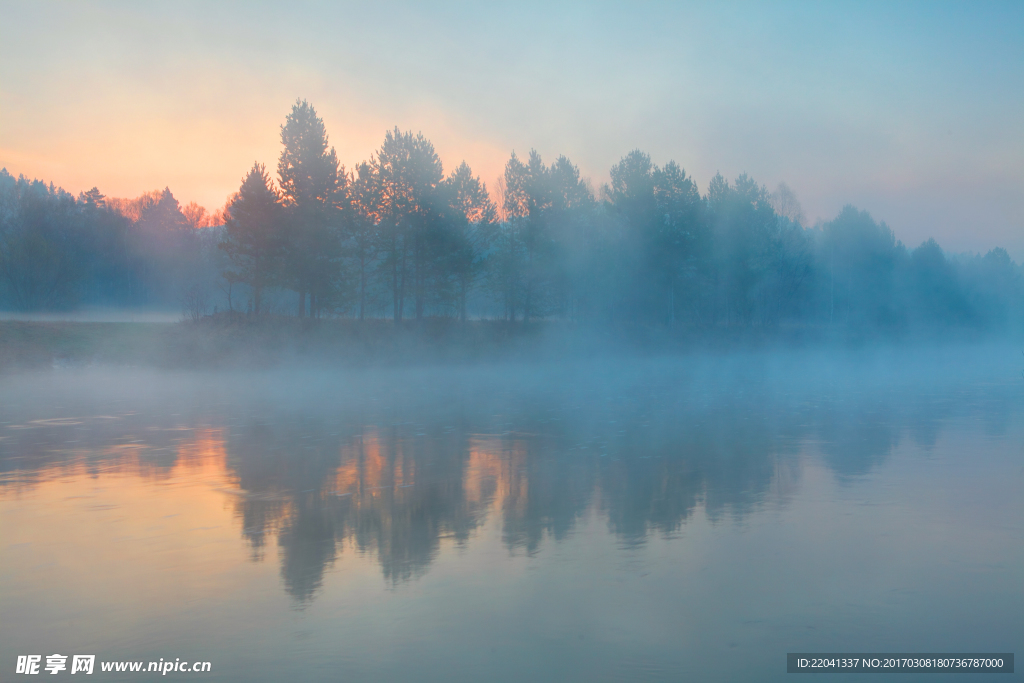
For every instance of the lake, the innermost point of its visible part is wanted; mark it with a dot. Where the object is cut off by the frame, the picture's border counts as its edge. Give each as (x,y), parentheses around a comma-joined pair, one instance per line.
(647,519)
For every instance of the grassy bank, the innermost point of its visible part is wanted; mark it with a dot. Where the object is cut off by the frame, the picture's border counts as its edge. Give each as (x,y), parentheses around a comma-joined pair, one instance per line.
(35,344)
(239,342)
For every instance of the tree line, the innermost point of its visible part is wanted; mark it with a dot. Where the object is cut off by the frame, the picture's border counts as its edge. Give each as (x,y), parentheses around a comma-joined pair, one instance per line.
(395,237)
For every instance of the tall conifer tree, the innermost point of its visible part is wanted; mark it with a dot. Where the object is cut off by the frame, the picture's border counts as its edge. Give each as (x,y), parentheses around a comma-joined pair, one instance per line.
(314,193)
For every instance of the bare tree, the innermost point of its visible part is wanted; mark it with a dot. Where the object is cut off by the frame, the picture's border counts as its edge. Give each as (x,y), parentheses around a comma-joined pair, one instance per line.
(194,303)
(785,203)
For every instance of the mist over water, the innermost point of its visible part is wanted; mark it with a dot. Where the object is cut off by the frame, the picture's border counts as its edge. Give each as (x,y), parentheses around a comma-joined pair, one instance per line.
(394,343)
(96,315)
(691,517)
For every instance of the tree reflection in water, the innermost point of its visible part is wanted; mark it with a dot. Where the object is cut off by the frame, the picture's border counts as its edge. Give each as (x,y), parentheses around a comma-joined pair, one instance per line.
(393,468)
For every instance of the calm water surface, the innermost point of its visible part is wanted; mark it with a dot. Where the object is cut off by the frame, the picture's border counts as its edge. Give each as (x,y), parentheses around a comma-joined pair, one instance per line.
(688,519)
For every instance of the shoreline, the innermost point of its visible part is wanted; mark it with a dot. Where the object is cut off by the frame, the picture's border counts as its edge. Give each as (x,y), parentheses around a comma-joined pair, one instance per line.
(237,342)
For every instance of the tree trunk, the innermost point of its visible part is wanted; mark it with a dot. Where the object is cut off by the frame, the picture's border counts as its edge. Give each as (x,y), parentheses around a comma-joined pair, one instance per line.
(832,288)
(462,301)
(417,260)
(528,299)
(394,280)
(362,284)
(401,284)
(671,304)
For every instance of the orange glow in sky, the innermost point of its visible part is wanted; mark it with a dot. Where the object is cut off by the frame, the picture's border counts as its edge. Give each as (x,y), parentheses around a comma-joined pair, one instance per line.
(201,159)
(911,113)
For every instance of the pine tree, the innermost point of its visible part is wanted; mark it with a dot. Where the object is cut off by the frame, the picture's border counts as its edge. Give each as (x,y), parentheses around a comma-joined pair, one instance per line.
(253,238)
(314,194)
(470,216)
(409,172)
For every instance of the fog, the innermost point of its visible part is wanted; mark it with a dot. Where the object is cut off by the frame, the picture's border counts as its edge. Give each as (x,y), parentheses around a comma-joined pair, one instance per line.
(96,315)
(647,440)
(593,511)
(405,236)
(384,422)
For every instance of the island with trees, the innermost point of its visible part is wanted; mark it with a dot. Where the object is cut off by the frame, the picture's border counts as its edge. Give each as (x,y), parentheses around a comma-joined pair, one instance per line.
(324,256)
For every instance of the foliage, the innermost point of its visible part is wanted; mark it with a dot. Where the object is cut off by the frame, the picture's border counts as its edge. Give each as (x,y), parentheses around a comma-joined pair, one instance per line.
(398,238)
(254,240)
(41,232)
(314,191)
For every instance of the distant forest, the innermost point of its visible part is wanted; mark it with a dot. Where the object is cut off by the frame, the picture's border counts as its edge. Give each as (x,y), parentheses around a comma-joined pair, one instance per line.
(396,238)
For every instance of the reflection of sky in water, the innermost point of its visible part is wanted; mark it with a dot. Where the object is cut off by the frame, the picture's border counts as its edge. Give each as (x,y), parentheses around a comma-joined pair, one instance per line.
(574,525)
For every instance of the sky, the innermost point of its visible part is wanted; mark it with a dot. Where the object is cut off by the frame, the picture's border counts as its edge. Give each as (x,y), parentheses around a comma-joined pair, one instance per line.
(911,111)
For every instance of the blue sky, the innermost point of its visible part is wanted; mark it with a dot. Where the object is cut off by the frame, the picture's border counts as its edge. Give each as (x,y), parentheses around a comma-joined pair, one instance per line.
(912,111)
